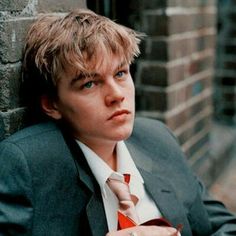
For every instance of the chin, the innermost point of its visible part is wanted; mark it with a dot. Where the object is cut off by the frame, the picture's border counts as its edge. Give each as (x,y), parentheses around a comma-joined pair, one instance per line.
(124,133)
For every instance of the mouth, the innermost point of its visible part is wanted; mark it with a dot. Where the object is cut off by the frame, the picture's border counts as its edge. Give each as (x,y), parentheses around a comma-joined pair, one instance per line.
(119,113)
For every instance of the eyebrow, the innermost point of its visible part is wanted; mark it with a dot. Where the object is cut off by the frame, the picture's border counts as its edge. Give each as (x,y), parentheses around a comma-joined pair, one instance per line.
(82,76)
(121,65)
(85,75)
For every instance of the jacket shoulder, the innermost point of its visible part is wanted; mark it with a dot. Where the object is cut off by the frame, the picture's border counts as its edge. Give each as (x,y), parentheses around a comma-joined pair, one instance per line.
(34,140)
(31,132)
(147,122)
(150,129)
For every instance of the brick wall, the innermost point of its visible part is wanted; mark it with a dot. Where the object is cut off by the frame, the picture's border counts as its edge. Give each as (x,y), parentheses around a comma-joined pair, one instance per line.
(15,17)
(174,74)
(225,79)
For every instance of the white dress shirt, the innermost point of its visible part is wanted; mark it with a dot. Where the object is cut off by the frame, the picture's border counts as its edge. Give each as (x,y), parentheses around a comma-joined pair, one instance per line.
(145,207)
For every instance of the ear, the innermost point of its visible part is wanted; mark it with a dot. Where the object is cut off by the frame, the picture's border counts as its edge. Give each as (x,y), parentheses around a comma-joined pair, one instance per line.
(49,107)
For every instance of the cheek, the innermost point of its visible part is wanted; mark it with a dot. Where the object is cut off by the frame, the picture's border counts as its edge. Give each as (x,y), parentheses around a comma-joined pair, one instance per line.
(132,87)
(131,90)
(87,110)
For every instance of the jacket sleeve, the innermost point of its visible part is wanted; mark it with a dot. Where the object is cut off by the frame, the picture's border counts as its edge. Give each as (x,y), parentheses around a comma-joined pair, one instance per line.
(223,222)
(15,191)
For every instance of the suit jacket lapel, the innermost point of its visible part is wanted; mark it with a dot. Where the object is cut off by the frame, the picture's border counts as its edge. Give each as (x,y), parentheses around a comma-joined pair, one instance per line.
(166,200)
(160,189)
(96,215)
(94,210)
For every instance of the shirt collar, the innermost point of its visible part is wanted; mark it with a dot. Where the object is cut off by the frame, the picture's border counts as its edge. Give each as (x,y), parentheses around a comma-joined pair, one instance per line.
(125,164)
(96,164)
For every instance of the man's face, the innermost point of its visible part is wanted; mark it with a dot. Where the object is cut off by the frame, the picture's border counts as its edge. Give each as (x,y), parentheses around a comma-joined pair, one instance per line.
(99,106)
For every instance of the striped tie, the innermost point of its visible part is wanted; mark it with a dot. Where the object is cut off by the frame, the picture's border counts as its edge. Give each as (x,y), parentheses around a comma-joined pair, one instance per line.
(127,201)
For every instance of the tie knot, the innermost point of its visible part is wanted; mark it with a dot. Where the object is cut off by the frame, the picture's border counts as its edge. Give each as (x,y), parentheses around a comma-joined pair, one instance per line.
(121,188)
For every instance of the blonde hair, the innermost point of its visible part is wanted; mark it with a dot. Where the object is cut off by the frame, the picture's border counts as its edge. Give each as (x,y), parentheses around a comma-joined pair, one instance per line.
(56,43)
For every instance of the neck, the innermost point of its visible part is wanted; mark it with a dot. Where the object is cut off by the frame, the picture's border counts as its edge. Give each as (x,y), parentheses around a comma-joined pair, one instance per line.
(106,151)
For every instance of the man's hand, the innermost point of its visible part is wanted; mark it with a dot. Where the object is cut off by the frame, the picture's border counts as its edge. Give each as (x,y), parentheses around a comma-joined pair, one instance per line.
(145,231)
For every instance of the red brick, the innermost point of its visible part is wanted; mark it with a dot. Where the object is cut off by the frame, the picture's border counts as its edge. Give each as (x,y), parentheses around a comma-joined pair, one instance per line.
(155,4)
(190,3)
(151,4)
(177,120)
(177,97)
(155,25)
(179,23)
(156,49)
(151,99)
(154,74)
(198,86)
(195,127)
(199,64)
(161,75)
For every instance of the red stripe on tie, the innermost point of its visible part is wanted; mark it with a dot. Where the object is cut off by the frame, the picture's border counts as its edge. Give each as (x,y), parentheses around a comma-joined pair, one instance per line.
(127,178)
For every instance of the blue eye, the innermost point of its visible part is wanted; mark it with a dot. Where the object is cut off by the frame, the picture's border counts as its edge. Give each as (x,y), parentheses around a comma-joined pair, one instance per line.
(120,74)
(88,85)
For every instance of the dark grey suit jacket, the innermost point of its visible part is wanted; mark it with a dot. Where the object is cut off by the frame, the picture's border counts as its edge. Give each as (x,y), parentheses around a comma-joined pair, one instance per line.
(46,186)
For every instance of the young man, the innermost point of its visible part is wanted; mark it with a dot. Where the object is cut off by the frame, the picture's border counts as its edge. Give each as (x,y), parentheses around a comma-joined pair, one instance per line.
(56,176)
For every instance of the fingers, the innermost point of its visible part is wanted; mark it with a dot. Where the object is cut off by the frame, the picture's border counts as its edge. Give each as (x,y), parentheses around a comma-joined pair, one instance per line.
(146,231)
(157,231)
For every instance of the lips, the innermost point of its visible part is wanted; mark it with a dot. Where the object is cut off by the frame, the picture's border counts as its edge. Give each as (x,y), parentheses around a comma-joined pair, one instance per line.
(119,113)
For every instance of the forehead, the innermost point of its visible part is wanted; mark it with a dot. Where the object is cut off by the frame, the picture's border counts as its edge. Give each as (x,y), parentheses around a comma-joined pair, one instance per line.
(104,64)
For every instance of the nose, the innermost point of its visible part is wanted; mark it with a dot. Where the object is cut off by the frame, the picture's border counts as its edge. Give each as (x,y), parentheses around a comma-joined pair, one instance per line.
(114,94)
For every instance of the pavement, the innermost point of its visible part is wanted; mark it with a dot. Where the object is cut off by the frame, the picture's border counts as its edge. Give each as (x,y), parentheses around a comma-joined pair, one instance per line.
(224,188)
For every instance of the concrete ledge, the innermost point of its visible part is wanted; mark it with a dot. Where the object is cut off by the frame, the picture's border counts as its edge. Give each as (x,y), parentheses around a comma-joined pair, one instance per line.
(210,166)
(224,188)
